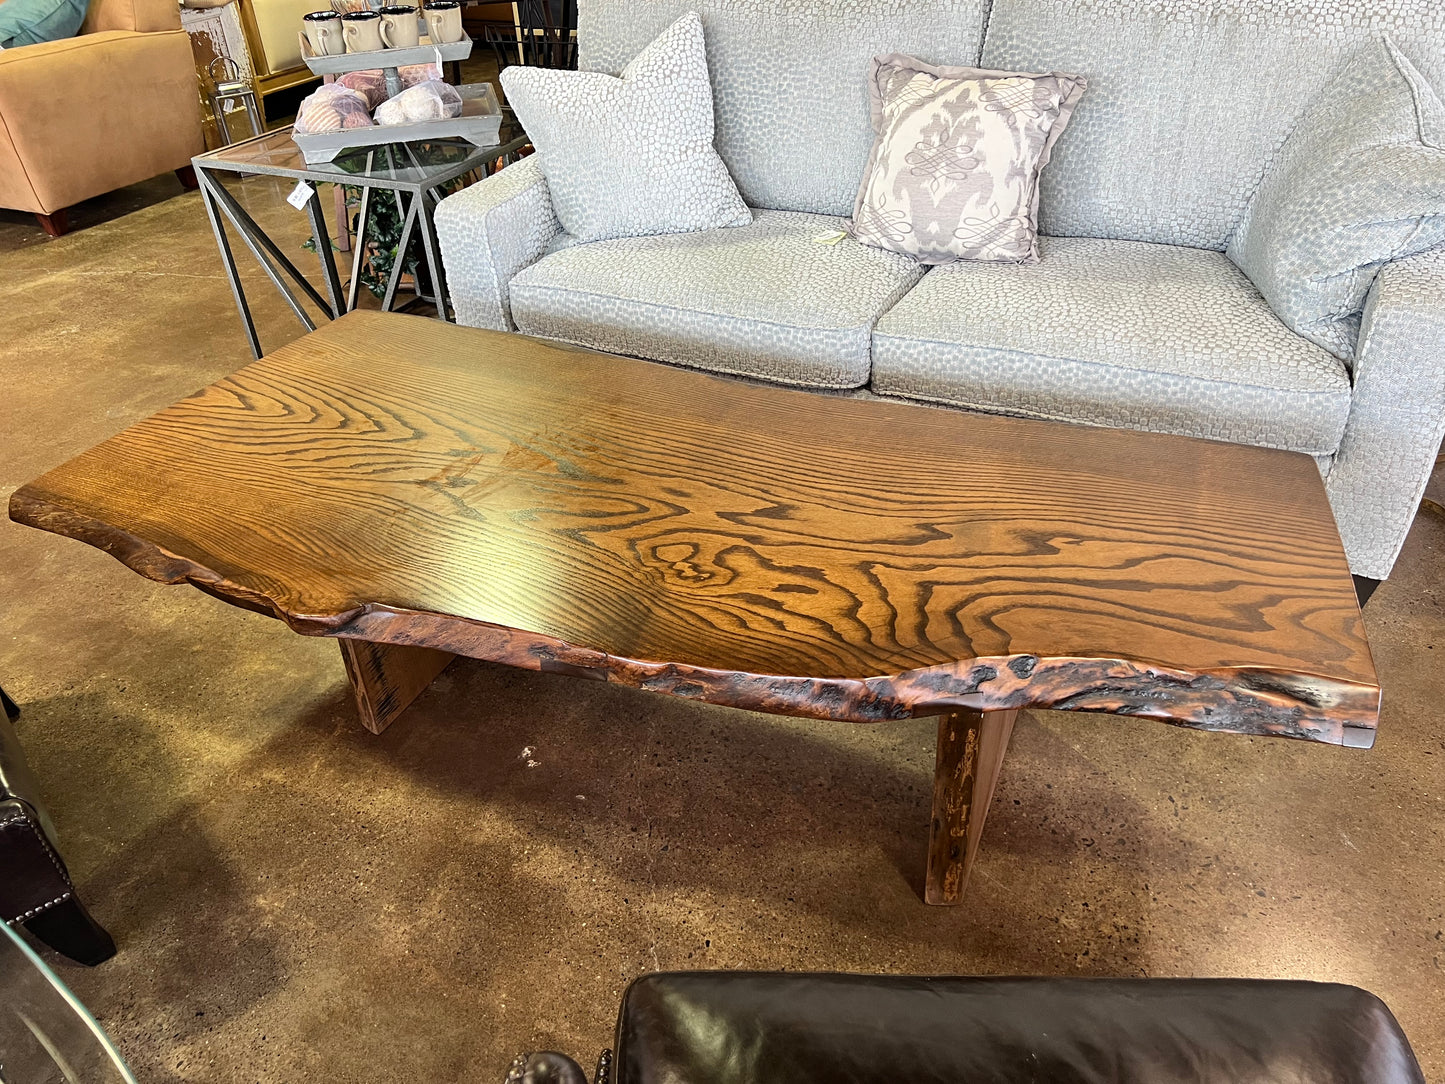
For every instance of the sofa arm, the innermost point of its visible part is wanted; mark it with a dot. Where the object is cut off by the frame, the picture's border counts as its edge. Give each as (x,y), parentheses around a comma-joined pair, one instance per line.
(488,233)
(1397,417)
(92,113)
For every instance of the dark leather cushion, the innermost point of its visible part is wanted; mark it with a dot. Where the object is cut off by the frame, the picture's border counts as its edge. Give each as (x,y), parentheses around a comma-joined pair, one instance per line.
(32,876)
(754,1028)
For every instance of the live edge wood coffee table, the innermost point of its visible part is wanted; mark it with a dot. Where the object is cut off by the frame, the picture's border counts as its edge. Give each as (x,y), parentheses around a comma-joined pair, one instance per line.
(419,491)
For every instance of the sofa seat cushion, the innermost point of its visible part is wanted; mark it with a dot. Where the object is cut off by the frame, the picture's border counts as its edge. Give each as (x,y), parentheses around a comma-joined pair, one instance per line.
(765,300)
(1115,333)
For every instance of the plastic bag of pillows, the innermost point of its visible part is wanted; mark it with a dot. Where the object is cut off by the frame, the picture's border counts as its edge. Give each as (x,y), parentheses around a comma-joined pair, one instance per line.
(332,108)
(372,83)
(431,100)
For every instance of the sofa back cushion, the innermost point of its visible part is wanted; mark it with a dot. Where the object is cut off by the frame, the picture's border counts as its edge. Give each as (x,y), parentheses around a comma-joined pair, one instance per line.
(790,79)
(145,16)
(1188,100)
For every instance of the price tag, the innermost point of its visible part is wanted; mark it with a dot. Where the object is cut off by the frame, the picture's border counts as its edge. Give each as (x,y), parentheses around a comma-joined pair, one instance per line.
(832,237)
(300,195)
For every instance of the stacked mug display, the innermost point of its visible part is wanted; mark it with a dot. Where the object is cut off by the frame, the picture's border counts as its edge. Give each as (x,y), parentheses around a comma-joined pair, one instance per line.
(393,27)
(444,21)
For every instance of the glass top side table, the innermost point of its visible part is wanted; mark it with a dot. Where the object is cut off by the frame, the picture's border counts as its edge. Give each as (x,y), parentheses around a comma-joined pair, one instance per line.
(413,174)
(46,1034)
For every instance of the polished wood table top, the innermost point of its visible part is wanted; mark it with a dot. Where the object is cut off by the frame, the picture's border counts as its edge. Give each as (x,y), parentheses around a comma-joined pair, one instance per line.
(403,481)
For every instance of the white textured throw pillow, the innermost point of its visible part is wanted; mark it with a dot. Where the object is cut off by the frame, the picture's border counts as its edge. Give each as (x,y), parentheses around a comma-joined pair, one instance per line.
(1359,183)
(630,155)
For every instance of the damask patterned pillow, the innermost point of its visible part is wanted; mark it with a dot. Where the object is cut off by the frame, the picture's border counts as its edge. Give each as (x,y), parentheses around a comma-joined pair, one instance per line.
(1359,183)
(630,155)
(954,173)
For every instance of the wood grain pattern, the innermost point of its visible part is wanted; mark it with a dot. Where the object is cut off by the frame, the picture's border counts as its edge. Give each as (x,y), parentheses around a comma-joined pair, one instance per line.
(403,481)
(970,754)
(386,678)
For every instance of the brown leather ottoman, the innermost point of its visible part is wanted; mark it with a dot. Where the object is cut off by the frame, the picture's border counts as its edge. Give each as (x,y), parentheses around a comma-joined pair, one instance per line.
(752,1028)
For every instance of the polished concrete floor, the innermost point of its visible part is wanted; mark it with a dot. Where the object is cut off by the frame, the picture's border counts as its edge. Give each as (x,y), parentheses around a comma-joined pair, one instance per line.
(298,900)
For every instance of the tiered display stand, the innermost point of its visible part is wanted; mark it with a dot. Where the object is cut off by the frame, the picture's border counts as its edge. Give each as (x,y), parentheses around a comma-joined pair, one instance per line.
(480,122)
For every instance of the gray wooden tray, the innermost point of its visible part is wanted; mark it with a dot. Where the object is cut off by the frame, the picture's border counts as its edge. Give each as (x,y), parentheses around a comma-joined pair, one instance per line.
(383,58)
(480,124)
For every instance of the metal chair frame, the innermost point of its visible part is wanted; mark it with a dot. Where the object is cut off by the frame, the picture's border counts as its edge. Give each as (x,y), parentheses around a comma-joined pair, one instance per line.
(544,35)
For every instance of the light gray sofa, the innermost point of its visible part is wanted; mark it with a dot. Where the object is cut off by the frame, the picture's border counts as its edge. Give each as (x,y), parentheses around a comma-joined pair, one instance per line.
(1135,317)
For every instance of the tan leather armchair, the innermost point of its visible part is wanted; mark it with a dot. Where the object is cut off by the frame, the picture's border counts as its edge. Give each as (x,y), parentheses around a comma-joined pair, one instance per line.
(114,105)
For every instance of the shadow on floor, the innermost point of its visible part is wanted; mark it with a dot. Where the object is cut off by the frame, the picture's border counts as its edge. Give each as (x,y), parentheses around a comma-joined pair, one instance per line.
(681,797)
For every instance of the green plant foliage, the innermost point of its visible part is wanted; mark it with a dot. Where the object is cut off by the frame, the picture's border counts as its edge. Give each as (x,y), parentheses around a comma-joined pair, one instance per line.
(383,233)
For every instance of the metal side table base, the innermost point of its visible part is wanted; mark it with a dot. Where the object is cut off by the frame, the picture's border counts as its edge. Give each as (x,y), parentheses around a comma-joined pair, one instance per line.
(415,175)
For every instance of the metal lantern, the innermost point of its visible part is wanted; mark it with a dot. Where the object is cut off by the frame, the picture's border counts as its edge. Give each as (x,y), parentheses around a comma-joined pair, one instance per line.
(228,87)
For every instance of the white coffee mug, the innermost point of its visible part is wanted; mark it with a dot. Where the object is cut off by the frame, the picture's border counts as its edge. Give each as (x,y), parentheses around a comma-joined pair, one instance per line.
(362,30)
(398,27)
(323,32)
(444,21)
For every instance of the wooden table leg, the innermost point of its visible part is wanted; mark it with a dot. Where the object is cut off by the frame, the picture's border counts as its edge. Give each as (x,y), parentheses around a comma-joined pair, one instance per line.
(388,677)
(971,747)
